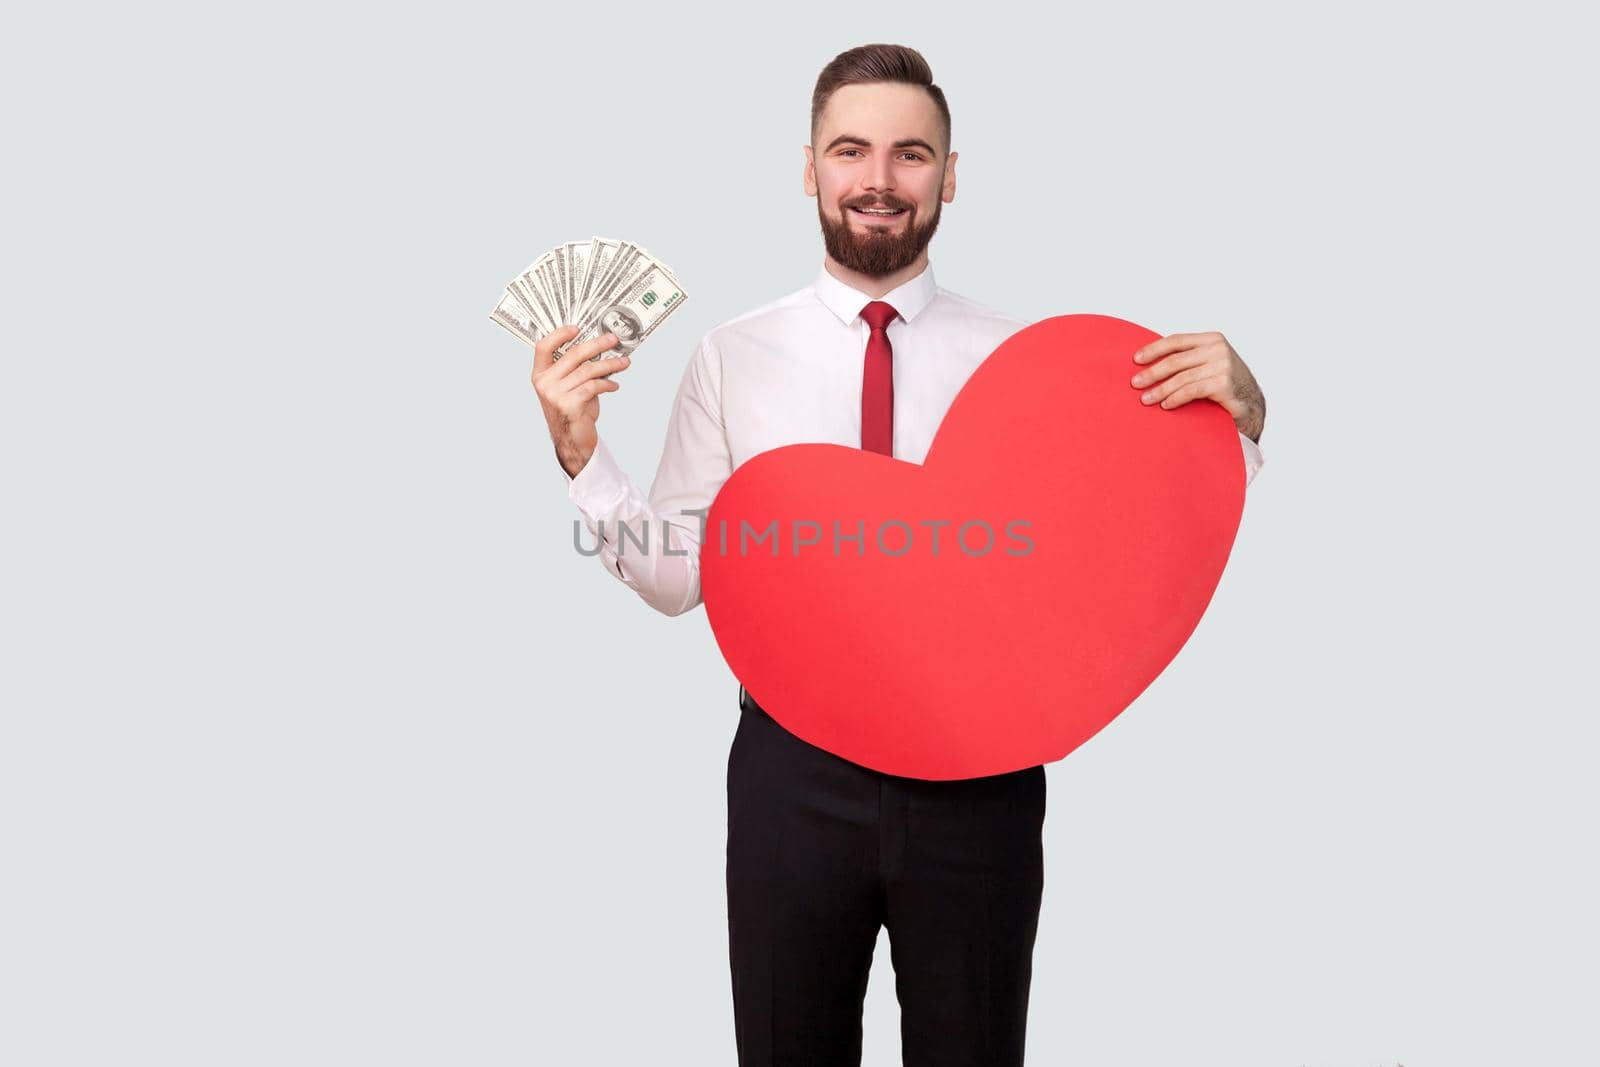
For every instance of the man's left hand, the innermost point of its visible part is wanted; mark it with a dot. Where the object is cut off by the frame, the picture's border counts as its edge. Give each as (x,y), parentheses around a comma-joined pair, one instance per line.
(1188,366)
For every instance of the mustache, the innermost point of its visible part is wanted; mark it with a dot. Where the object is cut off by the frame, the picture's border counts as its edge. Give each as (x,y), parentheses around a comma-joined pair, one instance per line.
(892,203)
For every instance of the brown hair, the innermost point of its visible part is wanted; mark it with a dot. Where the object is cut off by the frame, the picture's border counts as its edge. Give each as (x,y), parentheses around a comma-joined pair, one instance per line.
(877,63)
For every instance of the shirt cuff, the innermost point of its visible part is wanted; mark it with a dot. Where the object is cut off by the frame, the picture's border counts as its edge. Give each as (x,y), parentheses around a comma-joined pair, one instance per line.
(1253,458)
(600,484)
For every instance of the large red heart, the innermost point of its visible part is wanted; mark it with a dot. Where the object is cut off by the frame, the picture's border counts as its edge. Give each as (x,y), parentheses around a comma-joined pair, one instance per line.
(950,663)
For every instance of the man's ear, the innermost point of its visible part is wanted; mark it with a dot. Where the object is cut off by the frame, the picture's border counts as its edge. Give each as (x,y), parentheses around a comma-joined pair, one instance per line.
(948,193)
(808,179)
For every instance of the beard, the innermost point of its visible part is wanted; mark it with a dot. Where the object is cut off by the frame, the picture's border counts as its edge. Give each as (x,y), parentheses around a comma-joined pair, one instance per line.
(878,252)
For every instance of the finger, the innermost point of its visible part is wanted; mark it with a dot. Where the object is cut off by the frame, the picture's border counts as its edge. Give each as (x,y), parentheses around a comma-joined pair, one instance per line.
(589,390)
(1175,342)
(1176,382)
(585,371)
(1199,389)
(1192,357)
(544,349)
(578,355)
(608,365)
(582,398)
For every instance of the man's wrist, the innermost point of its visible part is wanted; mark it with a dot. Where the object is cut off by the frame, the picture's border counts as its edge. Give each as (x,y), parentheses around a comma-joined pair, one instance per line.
(573,461)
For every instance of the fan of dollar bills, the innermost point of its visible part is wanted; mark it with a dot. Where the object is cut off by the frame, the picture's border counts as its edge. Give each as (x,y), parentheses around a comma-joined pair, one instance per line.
(600,286)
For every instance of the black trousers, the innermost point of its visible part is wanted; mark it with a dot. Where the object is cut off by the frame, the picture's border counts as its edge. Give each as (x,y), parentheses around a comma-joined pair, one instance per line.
(823,851)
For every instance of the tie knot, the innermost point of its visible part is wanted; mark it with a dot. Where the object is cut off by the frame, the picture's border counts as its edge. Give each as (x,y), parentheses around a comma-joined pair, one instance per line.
(879,314)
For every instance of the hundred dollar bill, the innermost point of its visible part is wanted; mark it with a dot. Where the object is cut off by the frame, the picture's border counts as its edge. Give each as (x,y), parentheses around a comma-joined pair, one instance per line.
(516,317)
(585,258)
(623,264)
(528,287)
(633,313)
(576,254)
(630,264)
(605,254)
(550,282)
(563,273)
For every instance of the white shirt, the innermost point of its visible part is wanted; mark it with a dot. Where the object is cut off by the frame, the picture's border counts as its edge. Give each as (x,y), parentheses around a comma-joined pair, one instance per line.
(788,372)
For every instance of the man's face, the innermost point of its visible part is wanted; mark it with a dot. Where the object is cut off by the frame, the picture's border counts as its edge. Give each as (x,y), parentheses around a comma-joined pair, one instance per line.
(879,146)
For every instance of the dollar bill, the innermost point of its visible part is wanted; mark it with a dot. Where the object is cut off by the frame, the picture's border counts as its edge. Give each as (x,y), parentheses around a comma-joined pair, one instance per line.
(517,318)
(632,312)
(602,285)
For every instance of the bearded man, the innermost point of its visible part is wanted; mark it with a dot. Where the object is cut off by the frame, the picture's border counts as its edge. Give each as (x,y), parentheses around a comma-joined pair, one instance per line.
(823,852)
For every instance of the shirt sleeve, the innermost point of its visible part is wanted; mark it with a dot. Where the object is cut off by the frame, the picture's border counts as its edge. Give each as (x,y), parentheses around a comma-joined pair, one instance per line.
(1254,460)
(652,544)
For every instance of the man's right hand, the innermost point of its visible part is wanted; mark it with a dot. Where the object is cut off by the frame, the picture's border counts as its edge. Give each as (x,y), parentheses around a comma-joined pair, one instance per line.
(569,391)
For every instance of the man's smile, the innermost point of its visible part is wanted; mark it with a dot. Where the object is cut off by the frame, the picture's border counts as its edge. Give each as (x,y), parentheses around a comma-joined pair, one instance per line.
(877,214)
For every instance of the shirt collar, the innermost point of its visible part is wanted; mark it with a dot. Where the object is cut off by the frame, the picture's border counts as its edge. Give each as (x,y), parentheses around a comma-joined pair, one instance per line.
(846,302)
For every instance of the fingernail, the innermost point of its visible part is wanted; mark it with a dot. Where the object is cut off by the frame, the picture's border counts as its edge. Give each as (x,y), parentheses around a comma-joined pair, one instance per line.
(1138,379)
(1148,397)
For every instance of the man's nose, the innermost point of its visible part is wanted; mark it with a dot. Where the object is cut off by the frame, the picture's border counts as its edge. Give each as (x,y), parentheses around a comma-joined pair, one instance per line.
(880,175)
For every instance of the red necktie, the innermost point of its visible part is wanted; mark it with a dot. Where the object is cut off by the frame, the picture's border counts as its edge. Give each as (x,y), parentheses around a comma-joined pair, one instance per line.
(877,381)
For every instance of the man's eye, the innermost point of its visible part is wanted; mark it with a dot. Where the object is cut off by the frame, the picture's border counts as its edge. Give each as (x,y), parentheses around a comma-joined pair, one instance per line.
(913,155)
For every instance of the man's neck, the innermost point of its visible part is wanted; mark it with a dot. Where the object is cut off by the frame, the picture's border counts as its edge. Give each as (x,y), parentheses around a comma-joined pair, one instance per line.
(876,287)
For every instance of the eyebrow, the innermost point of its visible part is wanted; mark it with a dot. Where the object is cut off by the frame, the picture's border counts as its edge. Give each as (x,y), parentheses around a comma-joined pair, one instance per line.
(904,142)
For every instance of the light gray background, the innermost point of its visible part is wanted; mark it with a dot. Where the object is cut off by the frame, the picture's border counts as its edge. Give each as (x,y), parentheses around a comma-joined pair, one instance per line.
(321,745)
